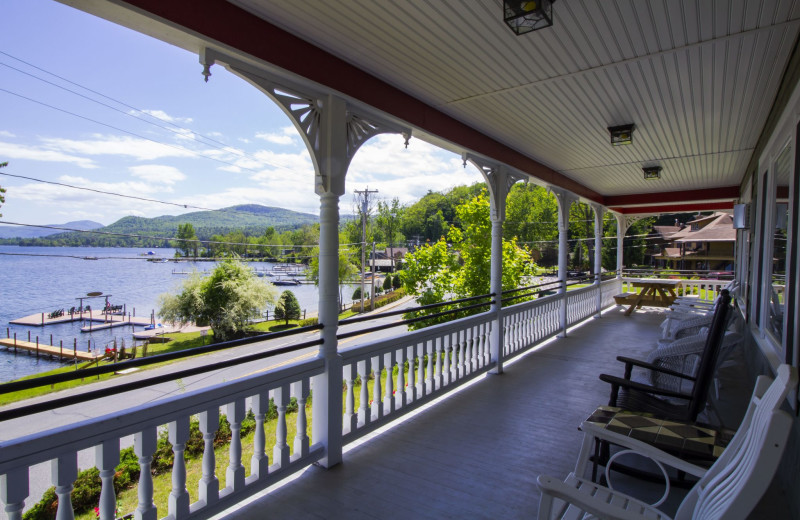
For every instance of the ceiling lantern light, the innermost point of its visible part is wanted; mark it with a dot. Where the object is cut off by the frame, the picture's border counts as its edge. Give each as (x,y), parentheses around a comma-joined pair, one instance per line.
(622,134)
(526,16)
(652,173)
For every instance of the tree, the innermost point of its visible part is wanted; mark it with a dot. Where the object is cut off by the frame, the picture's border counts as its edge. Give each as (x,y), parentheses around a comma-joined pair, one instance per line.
(435,272)
(226,300)
(2,190)
(347,269)
(387,283)
(388,221)
(187,239)
(287,308)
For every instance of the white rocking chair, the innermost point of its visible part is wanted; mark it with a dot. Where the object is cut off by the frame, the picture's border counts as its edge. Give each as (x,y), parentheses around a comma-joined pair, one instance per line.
(730,489)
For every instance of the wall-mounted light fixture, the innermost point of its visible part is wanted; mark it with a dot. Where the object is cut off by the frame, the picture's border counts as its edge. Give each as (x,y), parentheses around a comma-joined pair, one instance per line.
(652,173)
(526,16)
(622,134)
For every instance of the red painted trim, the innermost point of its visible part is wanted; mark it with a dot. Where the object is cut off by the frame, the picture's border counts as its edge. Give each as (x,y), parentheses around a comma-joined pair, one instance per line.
(226,23)
(675,208)
(730,192)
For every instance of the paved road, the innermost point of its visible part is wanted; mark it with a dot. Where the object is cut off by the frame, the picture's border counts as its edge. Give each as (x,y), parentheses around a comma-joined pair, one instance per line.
(40,478)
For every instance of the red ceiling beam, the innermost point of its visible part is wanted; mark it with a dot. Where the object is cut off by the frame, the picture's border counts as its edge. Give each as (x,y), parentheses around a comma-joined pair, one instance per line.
(674,208)
(226,23)
(730,192)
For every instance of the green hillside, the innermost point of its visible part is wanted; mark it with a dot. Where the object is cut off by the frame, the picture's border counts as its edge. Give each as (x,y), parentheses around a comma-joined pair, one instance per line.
(252,219)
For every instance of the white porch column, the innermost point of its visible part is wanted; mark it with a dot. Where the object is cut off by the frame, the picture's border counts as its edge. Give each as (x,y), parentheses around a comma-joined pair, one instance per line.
(564,200)
(621,230)
(598,254)
(327,387)
(499,180)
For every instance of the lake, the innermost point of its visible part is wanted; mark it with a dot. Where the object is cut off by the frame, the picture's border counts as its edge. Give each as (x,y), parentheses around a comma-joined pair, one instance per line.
(44,279)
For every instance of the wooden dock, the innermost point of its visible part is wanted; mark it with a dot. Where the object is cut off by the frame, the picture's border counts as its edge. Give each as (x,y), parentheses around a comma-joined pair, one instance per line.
(49,350)
(106,320)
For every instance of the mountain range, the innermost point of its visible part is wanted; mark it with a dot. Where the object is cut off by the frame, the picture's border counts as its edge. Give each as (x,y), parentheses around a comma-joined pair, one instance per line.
(38,232)
(249,218)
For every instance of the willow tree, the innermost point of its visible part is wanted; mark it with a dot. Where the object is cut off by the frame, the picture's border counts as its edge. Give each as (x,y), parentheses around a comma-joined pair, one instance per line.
(227,300)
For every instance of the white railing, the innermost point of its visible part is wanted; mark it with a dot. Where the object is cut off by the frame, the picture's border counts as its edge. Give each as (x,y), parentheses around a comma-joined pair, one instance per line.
(401,373)
(61,446)
(704,289)
(415,368)
(529,323)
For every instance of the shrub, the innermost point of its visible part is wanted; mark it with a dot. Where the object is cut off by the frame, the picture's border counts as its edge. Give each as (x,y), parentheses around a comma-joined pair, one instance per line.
(309,321)
(357,294)
(387,283)
(287,308)
(396,281)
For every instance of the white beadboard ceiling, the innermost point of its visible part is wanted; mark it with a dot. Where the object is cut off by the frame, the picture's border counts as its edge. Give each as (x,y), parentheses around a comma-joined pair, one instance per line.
(696,77)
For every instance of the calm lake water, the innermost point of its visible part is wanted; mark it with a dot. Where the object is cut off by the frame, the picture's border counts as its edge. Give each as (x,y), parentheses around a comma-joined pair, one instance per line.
(43,279)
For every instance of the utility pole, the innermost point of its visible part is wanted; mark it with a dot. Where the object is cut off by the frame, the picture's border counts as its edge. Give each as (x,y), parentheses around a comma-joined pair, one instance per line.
(363,200)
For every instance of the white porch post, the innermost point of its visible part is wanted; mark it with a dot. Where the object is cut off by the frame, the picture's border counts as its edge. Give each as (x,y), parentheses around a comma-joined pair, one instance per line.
(564,200)
(598,253)
(499,180)
(621,230)
(327,387)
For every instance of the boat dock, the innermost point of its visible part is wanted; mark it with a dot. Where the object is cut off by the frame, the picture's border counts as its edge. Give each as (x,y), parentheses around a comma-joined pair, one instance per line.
(49,350)
(106,321)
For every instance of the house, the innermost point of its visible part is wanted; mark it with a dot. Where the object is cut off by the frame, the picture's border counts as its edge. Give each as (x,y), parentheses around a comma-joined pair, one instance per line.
(706,243)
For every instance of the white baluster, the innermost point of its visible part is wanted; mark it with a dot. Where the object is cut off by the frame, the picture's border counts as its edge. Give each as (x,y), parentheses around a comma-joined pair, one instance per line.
(363,397)
(13,492)
(447,341)
(429,349)
(259,463)
(462,354)
(234,476)
(377,394)
(453,344)
(411,380)
(300,391)
(280,453)
(437,374)
(351,420)
(388,396)
(144,445)
(400,395)
(106,457)
(179,496)
(64,472)
(208,487)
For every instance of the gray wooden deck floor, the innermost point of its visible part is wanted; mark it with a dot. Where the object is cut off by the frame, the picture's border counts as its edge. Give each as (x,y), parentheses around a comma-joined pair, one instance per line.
(478,454)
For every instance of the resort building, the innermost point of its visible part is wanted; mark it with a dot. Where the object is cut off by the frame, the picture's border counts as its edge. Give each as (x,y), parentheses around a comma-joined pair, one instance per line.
(706,243)
(635,107)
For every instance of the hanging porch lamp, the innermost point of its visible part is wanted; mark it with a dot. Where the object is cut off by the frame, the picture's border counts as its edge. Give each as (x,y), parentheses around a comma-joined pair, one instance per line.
(652,173)
(620,135)
(526,16)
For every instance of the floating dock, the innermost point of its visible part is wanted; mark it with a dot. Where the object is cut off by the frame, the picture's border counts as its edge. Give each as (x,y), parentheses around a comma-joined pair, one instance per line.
(106,321)
(49,350)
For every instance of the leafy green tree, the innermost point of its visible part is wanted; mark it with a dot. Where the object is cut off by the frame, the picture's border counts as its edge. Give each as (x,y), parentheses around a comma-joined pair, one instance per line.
(532,217)
(387,283)
(396,282)
(388,221)
(287,308)
(186,242)
(2,190)
(434,272)
(226,300)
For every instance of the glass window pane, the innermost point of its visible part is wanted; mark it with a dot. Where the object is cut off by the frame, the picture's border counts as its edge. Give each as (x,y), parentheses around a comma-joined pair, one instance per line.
(776,298)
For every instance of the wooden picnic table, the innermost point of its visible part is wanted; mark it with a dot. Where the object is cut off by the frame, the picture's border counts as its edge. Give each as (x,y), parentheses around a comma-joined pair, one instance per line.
(655,292)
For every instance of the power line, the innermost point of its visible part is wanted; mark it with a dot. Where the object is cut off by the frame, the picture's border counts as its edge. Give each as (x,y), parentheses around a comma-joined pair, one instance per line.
(179,130)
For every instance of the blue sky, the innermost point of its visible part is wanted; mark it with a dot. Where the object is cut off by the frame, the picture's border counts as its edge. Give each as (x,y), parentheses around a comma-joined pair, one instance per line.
(153,129)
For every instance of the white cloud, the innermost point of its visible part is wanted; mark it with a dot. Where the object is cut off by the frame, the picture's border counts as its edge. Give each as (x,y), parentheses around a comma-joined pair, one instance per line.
(160,114)
(137,148)
(157,173)
(17,151)
(383,163)
(287,135)
(6,133)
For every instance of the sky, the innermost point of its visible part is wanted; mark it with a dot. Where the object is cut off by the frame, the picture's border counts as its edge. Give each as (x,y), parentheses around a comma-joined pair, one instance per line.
(87,103)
